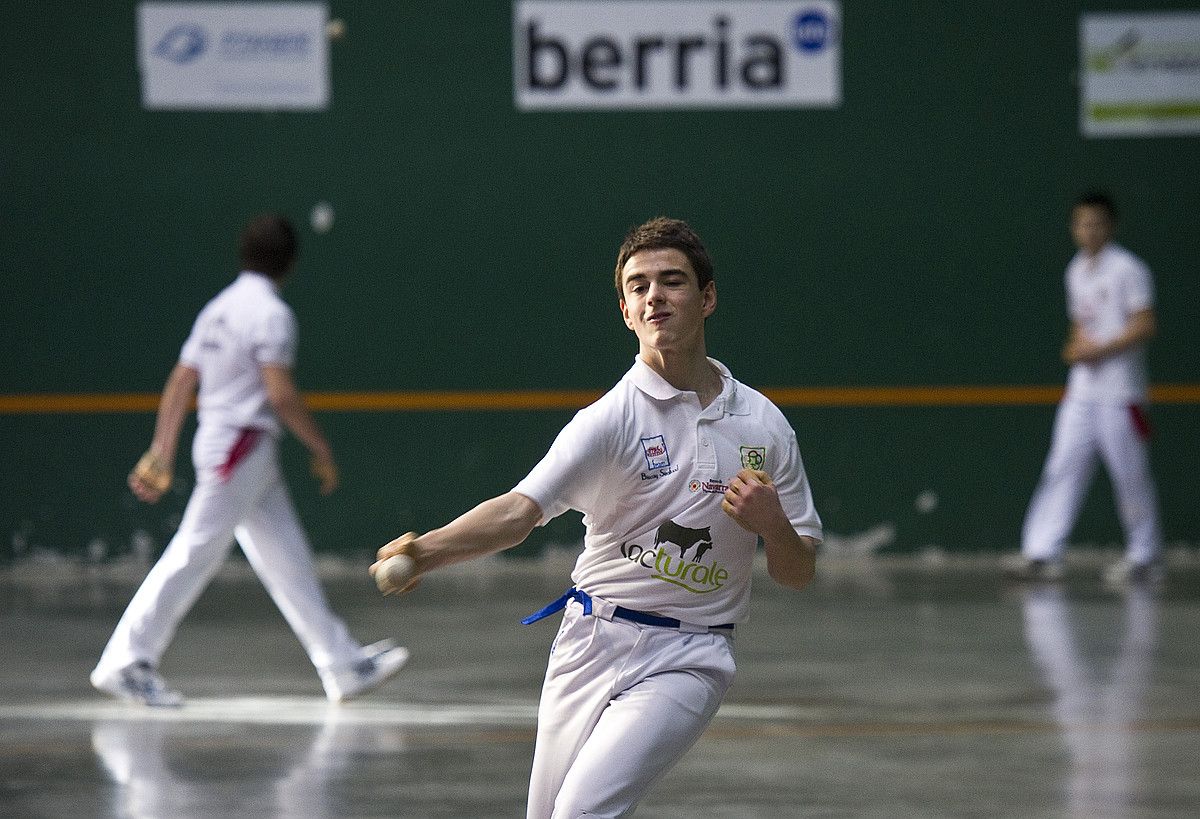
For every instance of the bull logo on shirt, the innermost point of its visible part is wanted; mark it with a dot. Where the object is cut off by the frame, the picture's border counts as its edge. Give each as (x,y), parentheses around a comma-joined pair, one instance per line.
(692,575)
(684,538)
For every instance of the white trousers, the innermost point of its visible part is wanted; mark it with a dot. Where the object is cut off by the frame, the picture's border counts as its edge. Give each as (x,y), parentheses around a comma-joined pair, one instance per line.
(254,505)
(1085,432)
(621,703)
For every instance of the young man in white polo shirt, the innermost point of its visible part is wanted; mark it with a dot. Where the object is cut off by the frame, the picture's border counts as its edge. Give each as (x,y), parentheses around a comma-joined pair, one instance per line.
(679,471)
(239,356)
(1110,298)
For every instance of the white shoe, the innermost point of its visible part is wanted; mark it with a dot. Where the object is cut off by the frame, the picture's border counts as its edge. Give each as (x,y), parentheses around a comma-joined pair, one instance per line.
(380,662)
(1019,567)
(139,683)
(1124,572)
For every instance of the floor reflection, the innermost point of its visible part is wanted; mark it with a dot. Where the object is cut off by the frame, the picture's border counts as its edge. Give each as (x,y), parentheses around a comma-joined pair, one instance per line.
(174,767)
(1098,699)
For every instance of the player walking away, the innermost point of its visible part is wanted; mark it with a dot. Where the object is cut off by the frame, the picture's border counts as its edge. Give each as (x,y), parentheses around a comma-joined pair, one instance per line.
(1110,298)
(239,355)
(678,470)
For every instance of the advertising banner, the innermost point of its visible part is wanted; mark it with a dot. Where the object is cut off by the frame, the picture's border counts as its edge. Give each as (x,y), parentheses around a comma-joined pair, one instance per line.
(1139,74)
(621,54)
(233,56)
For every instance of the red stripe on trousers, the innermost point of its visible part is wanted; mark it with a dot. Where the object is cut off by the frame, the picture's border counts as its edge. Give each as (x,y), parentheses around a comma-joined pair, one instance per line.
(242,447)
(1140,422)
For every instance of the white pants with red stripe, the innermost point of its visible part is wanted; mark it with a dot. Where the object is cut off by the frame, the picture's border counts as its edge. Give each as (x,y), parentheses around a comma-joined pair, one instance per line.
(621,703)
(250,501)
(1084,433)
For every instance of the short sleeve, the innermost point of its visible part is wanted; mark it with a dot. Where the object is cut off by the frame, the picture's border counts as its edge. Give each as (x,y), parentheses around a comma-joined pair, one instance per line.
(791,483)
(572,471)
(1073,308)
(274,340)
(190,353)
(1139,287)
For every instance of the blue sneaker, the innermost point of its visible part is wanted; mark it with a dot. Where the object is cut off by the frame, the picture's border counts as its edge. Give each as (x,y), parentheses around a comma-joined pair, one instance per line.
(380,662)
(137,683)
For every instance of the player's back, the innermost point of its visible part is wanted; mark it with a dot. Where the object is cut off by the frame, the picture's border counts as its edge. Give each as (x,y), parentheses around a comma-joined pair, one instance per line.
(243,328)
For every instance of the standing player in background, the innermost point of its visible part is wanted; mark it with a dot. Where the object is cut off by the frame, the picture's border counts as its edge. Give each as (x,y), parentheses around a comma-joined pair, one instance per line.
(678,470)
(1110,298)
(239,355)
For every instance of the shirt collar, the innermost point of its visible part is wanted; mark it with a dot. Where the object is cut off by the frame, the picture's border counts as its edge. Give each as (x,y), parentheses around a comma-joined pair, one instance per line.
(1102,254)
(730,400)
(255,276)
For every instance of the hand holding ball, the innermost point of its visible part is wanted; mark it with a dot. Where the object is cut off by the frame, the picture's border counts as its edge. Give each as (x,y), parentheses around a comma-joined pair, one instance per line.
(397,572)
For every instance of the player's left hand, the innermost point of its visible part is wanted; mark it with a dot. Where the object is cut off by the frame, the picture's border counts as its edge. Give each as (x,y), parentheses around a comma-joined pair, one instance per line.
(753,502)
(325,470)
(1082,349)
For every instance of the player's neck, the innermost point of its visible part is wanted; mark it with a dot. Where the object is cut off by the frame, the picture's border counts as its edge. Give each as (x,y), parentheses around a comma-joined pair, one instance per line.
(687,372)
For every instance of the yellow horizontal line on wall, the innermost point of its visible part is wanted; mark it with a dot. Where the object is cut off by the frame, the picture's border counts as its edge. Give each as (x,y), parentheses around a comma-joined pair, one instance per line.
(515,400)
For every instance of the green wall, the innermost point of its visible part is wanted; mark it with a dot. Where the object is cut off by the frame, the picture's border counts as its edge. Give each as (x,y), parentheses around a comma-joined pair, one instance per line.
(914,236)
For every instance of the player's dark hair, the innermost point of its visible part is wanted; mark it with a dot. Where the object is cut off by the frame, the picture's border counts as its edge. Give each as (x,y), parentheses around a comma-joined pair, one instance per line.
(663,232)
(268,245)
(1098,199)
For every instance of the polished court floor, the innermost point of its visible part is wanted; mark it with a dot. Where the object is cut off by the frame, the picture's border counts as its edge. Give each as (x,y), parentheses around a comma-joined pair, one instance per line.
(889,688)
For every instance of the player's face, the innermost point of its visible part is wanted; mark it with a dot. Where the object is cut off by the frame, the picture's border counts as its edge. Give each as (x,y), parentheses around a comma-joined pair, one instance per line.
(1090,228)
(662,302)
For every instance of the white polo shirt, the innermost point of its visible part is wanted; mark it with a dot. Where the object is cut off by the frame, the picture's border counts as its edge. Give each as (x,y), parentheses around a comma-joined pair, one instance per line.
(649,468)
(245,326)
(1101,298)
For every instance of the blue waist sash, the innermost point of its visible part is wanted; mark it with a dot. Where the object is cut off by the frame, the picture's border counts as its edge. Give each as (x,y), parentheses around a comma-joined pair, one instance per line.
(625,614)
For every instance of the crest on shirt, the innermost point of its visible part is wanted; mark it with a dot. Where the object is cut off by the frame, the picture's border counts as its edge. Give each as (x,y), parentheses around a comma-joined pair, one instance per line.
(655,450)
(753,457)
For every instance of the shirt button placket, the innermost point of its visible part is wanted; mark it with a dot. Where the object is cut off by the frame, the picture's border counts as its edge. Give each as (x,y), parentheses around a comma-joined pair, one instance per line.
(706,454)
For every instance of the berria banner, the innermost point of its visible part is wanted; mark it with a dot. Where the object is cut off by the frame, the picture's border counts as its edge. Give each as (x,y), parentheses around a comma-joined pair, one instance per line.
(573,55)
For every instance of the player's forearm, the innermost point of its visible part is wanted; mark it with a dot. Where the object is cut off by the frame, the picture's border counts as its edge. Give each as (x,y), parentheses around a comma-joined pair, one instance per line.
(293,414)
(173,408)
(492,526)
(1141,328)
(791,558)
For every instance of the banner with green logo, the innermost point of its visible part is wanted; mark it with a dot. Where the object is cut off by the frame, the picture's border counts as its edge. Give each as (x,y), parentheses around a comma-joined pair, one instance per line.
(1139,74)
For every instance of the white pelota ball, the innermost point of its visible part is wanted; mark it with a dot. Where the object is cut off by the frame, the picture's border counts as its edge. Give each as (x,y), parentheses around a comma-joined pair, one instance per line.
(321,217)
(395,573)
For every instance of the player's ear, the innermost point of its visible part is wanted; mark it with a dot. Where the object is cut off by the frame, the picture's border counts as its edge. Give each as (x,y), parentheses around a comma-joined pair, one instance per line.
(625,313)
(709,293)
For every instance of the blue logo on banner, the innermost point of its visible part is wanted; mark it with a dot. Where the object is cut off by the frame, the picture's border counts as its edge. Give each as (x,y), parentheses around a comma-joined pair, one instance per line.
(182,44)
(812,30)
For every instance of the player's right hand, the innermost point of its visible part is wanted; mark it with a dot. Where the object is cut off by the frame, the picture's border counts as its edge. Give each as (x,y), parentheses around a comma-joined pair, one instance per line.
(150,478)
(409,544)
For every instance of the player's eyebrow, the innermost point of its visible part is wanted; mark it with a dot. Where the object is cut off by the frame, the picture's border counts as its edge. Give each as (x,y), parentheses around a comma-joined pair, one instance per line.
(670,271)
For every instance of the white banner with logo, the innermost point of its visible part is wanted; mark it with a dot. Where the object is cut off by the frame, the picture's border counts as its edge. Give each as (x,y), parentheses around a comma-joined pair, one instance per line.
(234,56)
(628,54)
(1139,74)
